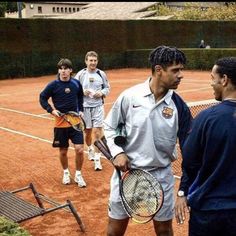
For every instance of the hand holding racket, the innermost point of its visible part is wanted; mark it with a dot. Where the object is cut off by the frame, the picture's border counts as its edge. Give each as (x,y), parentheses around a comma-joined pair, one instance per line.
(141,194)
(74,119)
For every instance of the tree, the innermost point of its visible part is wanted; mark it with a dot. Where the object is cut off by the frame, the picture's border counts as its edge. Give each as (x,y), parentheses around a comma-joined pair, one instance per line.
(194,11)
(7,7)
(3,8)
(11,6)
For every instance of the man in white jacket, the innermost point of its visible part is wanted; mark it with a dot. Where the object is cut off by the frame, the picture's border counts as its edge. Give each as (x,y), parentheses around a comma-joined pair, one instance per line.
(96,87)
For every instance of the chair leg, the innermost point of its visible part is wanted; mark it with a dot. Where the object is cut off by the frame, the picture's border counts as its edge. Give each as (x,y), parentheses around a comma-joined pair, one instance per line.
(76,215)
(36,195)
(40,210)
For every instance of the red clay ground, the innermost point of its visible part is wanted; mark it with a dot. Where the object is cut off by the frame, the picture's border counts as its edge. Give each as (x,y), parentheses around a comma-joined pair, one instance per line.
(27,155)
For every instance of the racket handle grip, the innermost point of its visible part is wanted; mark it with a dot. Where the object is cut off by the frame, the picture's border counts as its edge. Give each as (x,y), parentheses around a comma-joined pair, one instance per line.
(60,114)
(104,142)
(103,150)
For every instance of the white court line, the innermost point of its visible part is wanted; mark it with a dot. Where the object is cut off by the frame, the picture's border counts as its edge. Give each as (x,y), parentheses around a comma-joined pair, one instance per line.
(33,137)
(24,134)
(44,115)
(25,113)
(45,140)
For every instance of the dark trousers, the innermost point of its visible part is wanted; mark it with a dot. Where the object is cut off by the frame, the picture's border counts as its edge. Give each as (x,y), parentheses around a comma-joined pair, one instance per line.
(212,223)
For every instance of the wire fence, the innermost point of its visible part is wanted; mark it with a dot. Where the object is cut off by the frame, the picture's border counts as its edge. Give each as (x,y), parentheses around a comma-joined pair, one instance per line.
(195,108)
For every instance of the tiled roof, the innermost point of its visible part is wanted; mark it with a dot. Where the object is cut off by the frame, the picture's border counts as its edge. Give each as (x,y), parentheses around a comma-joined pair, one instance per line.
(113,10)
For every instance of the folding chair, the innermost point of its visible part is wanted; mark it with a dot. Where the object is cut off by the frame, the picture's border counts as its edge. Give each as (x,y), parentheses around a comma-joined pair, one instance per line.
(17,209)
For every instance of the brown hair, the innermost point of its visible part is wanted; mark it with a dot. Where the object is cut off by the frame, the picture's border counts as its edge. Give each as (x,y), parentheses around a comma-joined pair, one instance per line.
(91,54)
(64,62)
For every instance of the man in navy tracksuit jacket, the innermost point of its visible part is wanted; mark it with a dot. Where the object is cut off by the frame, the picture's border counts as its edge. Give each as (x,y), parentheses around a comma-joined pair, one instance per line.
(66,94)
(208,184)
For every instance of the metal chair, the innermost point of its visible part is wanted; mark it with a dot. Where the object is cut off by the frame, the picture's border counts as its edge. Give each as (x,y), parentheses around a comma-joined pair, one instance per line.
(17,209)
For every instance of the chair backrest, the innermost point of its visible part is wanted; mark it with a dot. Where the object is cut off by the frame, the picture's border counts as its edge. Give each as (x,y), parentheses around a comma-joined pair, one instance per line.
(17,209)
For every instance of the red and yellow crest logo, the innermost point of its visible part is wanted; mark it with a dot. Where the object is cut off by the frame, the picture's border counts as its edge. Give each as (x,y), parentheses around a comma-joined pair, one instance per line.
(167,112)
(67,90)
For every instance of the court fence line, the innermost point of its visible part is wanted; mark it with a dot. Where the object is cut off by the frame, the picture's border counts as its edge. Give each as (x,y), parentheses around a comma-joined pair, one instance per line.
(195,108)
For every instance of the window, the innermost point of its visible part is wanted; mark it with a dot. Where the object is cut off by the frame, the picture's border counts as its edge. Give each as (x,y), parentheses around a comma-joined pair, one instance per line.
(58,9)
(77,8)
(70,9)
(73,9)
(53,9)
(40,9)
(65,9)
(62,9)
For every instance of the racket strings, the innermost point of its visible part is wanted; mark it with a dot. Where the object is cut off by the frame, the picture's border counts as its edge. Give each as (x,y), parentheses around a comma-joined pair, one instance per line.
(75,121)
(141,194)
(137,200)
(137,218)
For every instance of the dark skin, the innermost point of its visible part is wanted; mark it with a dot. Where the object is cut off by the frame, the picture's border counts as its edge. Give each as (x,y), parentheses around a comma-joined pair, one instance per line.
(223,90)
(162,80)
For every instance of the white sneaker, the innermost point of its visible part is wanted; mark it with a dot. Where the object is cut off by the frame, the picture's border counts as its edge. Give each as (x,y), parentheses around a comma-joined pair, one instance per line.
(91,154)
(97,164)
(66,178)
(80,181)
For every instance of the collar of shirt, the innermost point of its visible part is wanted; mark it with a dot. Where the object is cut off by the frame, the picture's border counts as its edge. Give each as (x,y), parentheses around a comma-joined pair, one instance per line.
(147,92)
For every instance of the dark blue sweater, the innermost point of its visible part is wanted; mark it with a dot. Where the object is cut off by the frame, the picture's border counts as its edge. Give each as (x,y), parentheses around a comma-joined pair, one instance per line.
(66,96)
(209,159)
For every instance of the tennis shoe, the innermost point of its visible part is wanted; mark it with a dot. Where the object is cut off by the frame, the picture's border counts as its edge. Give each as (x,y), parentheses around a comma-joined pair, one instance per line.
(80,181)
(91,154)
(66,178)
(97,164)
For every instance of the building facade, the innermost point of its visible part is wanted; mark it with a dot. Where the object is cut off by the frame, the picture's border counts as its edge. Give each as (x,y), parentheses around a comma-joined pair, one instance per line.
(48,9)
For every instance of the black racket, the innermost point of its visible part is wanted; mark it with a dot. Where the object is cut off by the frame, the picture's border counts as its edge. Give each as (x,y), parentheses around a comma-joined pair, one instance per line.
(74,119)
(141,194)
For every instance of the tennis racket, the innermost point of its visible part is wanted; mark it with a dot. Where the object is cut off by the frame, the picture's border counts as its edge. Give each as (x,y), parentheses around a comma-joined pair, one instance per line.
(74,119)
(141,194)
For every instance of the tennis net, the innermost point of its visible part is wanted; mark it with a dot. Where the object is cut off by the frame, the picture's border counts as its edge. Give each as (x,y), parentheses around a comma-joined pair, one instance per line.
(195,108)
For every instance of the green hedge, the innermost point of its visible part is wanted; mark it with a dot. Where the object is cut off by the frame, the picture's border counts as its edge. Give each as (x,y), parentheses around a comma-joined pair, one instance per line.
(45,63)
(37,64)
(32,47)
(197,59)
(8,227)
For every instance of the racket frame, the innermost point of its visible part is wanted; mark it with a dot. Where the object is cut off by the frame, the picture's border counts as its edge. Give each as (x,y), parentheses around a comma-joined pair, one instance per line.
(102,146)
(63,115)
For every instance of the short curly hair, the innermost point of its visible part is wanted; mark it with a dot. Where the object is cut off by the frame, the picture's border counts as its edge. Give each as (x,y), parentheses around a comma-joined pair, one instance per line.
(227,66)
(166,56)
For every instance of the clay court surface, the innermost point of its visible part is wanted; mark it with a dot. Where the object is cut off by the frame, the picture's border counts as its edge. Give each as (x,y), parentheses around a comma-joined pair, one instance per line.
(27,155)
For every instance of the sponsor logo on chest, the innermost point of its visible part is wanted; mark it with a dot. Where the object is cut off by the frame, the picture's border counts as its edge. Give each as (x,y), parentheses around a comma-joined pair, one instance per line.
(67,90)
(167,112)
